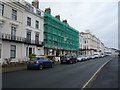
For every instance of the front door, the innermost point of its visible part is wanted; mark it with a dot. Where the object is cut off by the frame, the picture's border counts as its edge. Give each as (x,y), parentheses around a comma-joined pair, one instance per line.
(30,51)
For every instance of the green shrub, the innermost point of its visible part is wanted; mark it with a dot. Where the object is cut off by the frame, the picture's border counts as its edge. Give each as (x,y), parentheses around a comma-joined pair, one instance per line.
(32,55)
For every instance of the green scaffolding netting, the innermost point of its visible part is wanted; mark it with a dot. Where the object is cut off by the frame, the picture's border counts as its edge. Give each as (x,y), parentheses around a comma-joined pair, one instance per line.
(59,35)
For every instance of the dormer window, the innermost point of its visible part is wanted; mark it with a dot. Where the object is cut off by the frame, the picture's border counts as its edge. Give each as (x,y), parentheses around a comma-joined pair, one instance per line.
(29,7)
(38,12)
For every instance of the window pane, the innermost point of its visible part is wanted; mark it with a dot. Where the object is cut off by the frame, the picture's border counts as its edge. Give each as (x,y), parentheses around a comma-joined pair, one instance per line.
(1,9)
(13,51)
(37,24)
(14,14)
(13,30)
(0,50)
(26,51)
(28,35)
(28,21)
(12,54)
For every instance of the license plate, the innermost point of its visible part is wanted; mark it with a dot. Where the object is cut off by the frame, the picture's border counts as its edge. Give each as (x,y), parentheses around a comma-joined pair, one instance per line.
(31,62)
(64,61)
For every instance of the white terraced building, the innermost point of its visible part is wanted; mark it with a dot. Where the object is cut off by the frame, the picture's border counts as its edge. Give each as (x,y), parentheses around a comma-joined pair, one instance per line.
(90,44)
(21,30)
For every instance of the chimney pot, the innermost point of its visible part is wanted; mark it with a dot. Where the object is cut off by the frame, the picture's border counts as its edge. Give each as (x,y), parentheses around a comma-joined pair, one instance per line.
(58,17)
(35,3)
(48,10)
(65,21)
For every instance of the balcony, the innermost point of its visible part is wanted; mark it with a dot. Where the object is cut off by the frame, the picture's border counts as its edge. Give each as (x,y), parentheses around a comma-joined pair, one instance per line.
(87,49)
(9,37)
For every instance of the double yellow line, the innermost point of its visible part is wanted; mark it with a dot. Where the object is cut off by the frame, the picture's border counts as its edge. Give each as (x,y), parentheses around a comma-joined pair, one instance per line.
(95,74)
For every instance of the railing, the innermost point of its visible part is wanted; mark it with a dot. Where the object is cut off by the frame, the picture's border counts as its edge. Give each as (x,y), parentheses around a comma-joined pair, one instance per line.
(10,37)
(88,49)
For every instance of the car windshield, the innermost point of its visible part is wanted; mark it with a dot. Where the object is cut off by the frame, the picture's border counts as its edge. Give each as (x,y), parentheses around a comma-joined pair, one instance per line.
(80,56)
(38,58)
(67,56)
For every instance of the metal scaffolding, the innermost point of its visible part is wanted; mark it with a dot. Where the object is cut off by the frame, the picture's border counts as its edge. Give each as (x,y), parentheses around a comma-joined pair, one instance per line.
(59,35)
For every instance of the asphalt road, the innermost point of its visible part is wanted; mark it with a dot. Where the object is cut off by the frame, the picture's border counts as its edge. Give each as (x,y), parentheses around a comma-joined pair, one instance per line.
(61,76)
(108,76)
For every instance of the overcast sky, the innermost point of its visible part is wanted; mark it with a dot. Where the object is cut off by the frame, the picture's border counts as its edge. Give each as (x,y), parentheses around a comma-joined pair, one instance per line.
(101,18)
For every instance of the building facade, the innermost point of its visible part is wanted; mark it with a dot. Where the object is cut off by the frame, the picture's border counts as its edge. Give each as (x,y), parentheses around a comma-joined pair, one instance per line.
(59,37)
(102,48)
(33,26)
(21,30)
(11,30)
(81,43)
(90,44)
(111,51)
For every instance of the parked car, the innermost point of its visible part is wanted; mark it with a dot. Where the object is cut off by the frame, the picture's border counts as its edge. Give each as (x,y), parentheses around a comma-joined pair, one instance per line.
(102,55)
(96,55)
(92,56)
(119,55)
(39,63)
(80,58)
(86,57)
(68,58)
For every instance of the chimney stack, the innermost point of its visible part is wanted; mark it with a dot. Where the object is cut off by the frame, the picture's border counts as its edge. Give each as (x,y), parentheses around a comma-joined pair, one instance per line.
(58,17)
(48,10)
(65,21)
(35,3)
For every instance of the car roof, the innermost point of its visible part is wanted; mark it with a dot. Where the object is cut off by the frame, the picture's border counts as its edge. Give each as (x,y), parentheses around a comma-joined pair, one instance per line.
(39,56)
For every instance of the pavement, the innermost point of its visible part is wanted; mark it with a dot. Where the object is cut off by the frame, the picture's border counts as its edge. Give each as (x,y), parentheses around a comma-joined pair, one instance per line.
(108,76)
(14,68)
(61,76)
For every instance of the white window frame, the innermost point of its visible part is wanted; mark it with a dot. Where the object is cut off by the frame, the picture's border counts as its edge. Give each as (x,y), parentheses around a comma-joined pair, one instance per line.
(1,9)
(14,14)
(12,51)
(28,21)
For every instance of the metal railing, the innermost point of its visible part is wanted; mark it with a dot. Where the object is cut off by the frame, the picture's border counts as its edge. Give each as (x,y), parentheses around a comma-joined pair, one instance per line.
(10,37)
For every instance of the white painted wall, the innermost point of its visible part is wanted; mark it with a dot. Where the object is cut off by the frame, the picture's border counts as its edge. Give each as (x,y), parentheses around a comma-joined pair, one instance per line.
(6,29)
(32,28)
(22,27)
(6,50)
(92,42)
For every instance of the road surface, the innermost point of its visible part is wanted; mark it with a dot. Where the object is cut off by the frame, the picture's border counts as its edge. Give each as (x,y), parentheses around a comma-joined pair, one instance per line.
(61,76)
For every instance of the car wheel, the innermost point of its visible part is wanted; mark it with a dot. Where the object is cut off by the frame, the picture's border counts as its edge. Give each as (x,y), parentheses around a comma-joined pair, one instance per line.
(52,65)
(71,61)
(28,68)
(75,61)
(61,62)
(40,67)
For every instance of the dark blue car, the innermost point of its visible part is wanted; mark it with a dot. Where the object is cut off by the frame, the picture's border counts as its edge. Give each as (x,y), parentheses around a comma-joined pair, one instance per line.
(39,63)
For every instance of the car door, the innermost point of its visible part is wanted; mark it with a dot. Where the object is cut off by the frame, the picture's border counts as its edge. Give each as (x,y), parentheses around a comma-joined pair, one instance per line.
(43,61)
(47,62)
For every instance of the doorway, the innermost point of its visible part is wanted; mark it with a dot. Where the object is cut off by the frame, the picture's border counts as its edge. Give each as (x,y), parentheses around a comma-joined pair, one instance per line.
(30,50)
